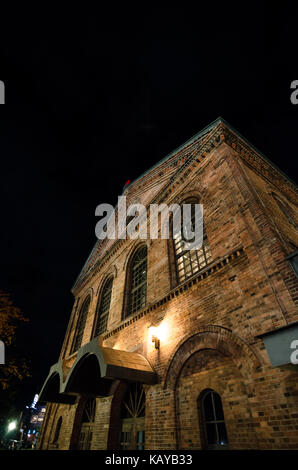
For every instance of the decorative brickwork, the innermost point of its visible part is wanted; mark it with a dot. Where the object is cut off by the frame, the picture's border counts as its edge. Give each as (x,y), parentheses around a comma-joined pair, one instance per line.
(219,339)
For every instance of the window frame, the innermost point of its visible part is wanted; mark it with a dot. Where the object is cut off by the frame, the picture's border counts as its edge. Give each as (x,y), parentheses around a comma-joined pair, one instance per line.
(192,257)
(214,422)
(79,330)
(99,314)
(129,291)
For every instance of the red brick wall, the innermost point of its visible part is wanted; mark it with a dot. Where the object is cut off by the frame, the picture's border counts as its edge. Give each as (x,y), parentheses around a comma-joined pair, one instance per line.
(244,295)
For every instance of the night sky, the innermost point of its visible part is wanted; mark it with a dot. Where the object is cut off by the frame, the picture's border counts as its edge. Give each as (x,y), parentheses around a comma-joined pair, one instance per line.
(96,98)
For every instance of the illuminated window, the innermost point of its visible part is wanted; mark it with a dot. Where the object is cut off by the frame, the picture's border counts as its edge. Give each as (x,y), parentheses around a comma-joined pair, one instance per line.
(138,281)
(213,420)
(189,262)
(81,325)
(103,308)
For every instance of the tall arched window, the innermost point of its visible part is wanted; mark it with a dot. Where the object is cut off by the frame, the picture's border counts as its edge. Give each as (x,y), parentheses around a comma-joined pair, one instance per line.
(138,281)
(103,308)
(213,420)
(189,262)
(81,325)
(57,431)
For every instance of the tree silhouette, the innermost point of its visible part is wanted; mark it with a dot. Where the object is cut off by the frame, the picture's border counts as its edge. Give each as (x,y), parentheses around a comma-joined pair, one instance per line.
(15,368)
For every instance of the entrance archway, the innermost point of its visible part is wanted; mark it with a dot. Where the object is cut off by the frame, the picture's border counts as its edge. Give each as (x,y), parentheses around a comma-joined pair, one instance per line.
(213,358)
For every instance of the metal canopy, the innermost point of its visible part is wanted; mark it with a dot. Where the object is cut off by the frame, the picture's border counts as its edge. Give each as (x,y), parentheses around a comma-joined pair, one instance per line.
(93,372)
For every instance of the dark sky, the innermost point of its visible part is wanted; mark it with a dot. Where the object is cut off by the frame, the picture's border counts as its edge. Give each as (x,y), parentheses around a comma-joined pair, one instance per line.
(94,99)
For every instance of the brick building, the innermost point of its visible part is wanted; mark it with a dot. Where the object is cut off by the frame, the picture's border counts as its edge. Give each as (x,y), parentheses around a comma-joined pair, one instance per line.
(168,349)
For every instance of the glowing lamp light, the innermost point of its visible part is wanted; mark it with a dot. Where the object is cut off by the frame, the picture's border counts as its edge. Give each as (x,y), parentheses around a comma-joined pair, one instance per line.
(12,426)
(154,334)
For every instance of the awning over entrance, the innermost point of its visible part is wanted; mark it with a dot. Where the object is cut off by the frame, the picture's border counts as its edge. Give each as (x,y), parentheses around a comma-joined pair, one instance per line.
(93,372)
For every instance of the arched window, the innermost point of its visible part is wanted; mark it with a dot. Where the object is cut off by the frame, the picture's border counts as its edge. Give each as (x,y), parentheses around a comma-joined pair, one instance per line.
(103,308)
(57,431)
(213,420)
(137,281)
(81,325)
(189,262)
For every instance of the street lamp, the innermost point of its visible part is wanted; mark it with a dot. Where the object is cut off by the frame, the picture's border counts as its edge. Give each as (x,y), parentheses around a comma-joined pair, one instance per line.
(11,426)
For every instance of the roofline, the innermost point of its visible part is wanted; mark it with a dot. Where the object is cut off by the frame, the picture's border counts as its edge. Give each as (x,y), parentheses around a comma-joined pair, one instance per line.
(200,134)
(259,152)
(192,139)
(169,155)
(188,142)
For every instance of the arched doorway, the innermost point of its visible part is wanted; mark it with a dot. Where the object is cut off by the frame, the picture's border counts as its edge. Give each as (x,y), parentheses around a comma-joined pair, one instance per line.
(132,418)
(213,420)
(213,358)
(127,419)
(87,424)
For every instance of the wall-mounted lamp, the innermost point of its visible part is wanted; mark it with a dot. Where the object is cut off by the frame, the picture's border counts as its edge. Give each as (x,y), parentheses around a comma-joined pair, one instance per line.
(154,337)
(156,341)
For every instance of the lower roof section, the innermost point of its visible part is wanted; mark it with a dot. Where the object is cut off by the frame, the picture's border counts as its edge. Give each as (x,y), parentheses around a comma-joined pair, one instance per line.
(93,372)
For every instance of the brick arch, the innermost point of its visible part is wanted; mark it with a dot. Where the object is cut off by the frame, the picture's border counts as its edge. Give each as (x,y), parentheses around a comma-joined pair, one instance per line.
(194,193)
(111,272)
(212,337)
(88,293)
(133,249)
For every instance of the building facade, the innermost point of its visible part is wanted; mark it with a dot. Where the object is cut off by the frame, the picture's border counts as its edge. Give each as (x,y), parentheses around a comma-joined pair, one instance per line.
(169,349)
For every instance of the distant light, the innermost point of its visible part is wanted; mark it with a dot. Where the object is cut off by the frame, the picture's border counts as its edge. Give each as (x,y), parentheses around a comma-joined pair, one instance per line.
(12,426)
(34,400)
